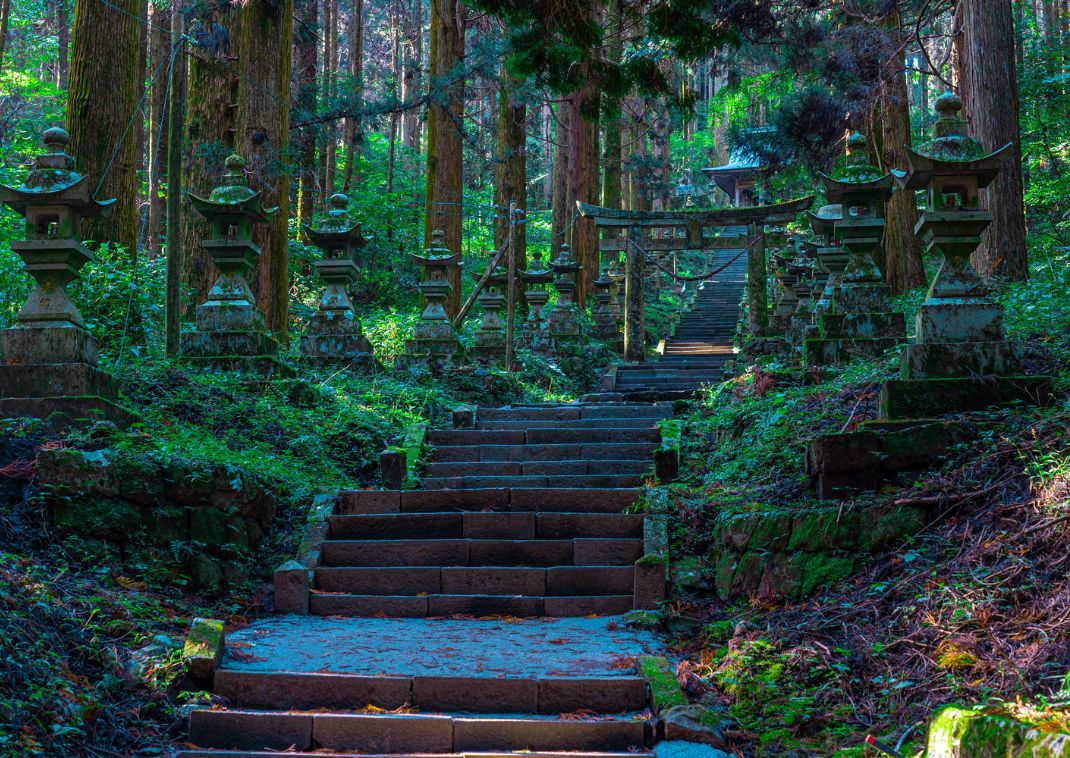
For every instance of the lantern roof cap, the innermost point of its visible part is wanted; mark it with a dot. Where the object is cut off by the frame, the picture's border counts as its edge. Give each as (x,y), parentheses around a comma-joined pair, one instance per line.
(856,176)
(950,152)
(234,195)
(437,252)
(53,180)
(336,226)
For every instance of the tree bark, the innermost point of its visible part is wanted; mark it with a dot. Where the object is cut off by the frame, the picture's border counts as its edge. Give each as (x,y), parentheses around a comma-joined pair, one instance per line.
(560,214)
(612,157)
(305,61)
(63,43)
(410,82)
(211,102)
(512,169)
(159,57)
(103,94)
(989,89)
(445,148)
(354,129)
(5,18)
(175,252)
(263,132)
(903,266)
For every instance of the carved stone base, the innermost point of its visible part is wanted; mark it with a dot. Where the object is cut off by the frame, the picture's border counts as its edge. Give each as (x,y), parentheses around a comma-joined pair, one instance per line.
(960,359)
(962,319)
(352,351)
(52,344)
(825,351)
(210,344)
(901,398)
(68,394)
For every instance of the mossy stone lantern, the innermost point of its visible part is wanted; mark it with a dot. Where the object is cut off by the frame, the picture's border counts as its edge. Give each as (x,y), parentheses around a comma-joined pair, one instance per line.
(48,360)
(564,324)
(489,340)
(831,258)
(535,334)
(605,312)
(230,333)
(335,335)
(861,321)
(959,328)
(434,338)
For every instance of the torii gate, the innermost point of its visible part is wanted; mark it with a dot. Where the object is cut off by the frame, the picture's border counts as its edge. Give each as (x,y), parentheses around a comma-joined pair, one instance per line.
(694,223)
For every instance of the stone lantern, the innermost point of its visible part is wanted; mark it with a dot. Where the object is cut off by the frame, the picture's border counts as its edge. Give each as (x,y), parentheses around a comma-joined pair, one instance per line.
(230,333)
(831,258)
(959,328)
(334,334)
(616,275)
(489,340)
(435,339)
(861,321)
(48,361)
(535,334)
(605,315)
(564,324)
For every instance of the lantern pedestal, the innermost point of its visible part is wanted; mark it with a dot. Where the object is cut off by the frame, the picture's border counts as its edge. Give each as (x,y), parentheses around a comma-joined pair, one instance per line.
(48,361)
(435,342)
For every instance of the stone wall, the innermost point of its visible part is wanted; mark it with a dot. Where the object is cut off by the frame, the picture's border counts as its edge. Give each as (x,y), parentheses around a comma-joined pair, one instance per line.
(180,518)
(789,553)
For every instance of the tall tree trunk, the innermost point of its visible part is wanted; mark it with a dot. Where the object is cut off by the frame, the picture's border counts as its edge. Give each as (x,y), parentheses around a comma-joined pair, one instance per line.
(159,58)
(263,132)
(5,18)
(561,213)
(903,266)
(410,82)
(103,94)
(63,43)
(547,133)
(354,129)
(211,103)
(176,114)
(512,184)
(329,33)
(989,89)
(611,178)
(445,148)
(305,59)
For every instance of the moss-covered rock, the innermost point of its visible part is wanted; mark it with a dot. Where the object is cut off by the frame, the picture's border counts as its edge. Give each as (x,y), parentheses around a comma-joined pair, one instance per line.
(956,732)
(665,690)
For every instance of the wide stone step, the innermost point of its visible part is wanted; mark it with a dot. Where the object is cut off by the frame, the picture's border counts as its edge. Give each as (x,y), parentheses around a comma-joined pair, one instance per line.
(485,525)
(378,733)
(587,551)
(568,499)
(594,423)
(212,753)
(418,606)
(598,451)
(668,385)
(281,690)
(594,481)
(569,413)
(540,436)
(536,468)
(456,580)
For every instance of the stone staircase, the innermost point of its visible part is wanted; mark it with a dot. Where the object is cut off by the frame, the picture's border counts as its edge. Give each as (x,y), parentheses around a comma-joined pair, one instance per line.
(476,617)
(701,345)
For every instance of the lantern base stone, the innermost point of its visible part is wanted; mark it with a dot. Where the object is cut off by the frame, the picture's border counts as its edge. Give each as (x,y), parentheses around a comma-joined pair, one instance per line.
(47,344)
(67,394)
(902,398)
(349,350)
(950,360)
(827,351)
(960,319)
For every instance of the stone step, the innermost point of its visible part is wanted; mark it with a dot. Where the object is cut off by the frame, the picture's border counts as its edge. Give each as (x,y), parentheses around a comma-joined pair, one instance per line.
(598,423)
(282,690)
(567,499)
(417,606)
(479,525)
(668,385)
(553,581)
(536,468)
(213,753)
(442,437)
(389,733)
(569,413)
(585,551)
(587,451)
(531,481)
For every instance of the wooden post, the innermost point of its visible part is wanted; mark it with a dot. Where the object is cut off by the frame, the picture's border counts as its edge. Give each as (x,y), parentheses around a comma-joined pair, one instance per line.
(510,308)
(756,276)
(634,329)
(176,116)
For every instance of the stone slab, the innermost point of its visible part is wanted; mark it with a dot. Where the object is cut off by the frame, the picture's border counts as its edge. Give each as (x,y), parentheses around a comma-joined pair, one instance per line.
(396,553)
(354,502)
(250,730)
(281,690)
(609,695)
(607,552)
(903,398)
(510,526)
(405,580)
(564,648)
(380,734)
(494,581)
(475,694)
(589,580)
(531,734)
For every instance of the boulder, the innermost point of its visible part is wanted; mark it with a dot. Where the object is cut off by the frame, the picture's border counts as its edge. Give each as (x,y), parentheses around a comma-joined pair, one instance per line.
(693,723)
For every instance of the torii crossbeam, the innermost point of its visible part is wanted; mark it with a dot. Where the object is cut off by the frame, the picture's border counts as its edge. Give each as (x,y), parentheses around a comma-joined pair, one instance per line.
(694,222)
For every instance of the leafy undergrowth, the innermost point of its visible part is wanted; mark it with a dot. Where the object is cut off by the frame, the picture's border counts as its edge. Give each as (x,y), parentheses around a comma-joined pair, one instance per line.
(973,609)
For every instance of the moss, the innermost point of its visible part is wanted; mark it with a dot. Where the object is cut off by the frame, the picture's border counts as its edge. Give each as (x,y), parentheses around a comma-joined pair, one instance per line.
(641,619)
(956,732)
(664,688)
(815,570)
(717,632)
